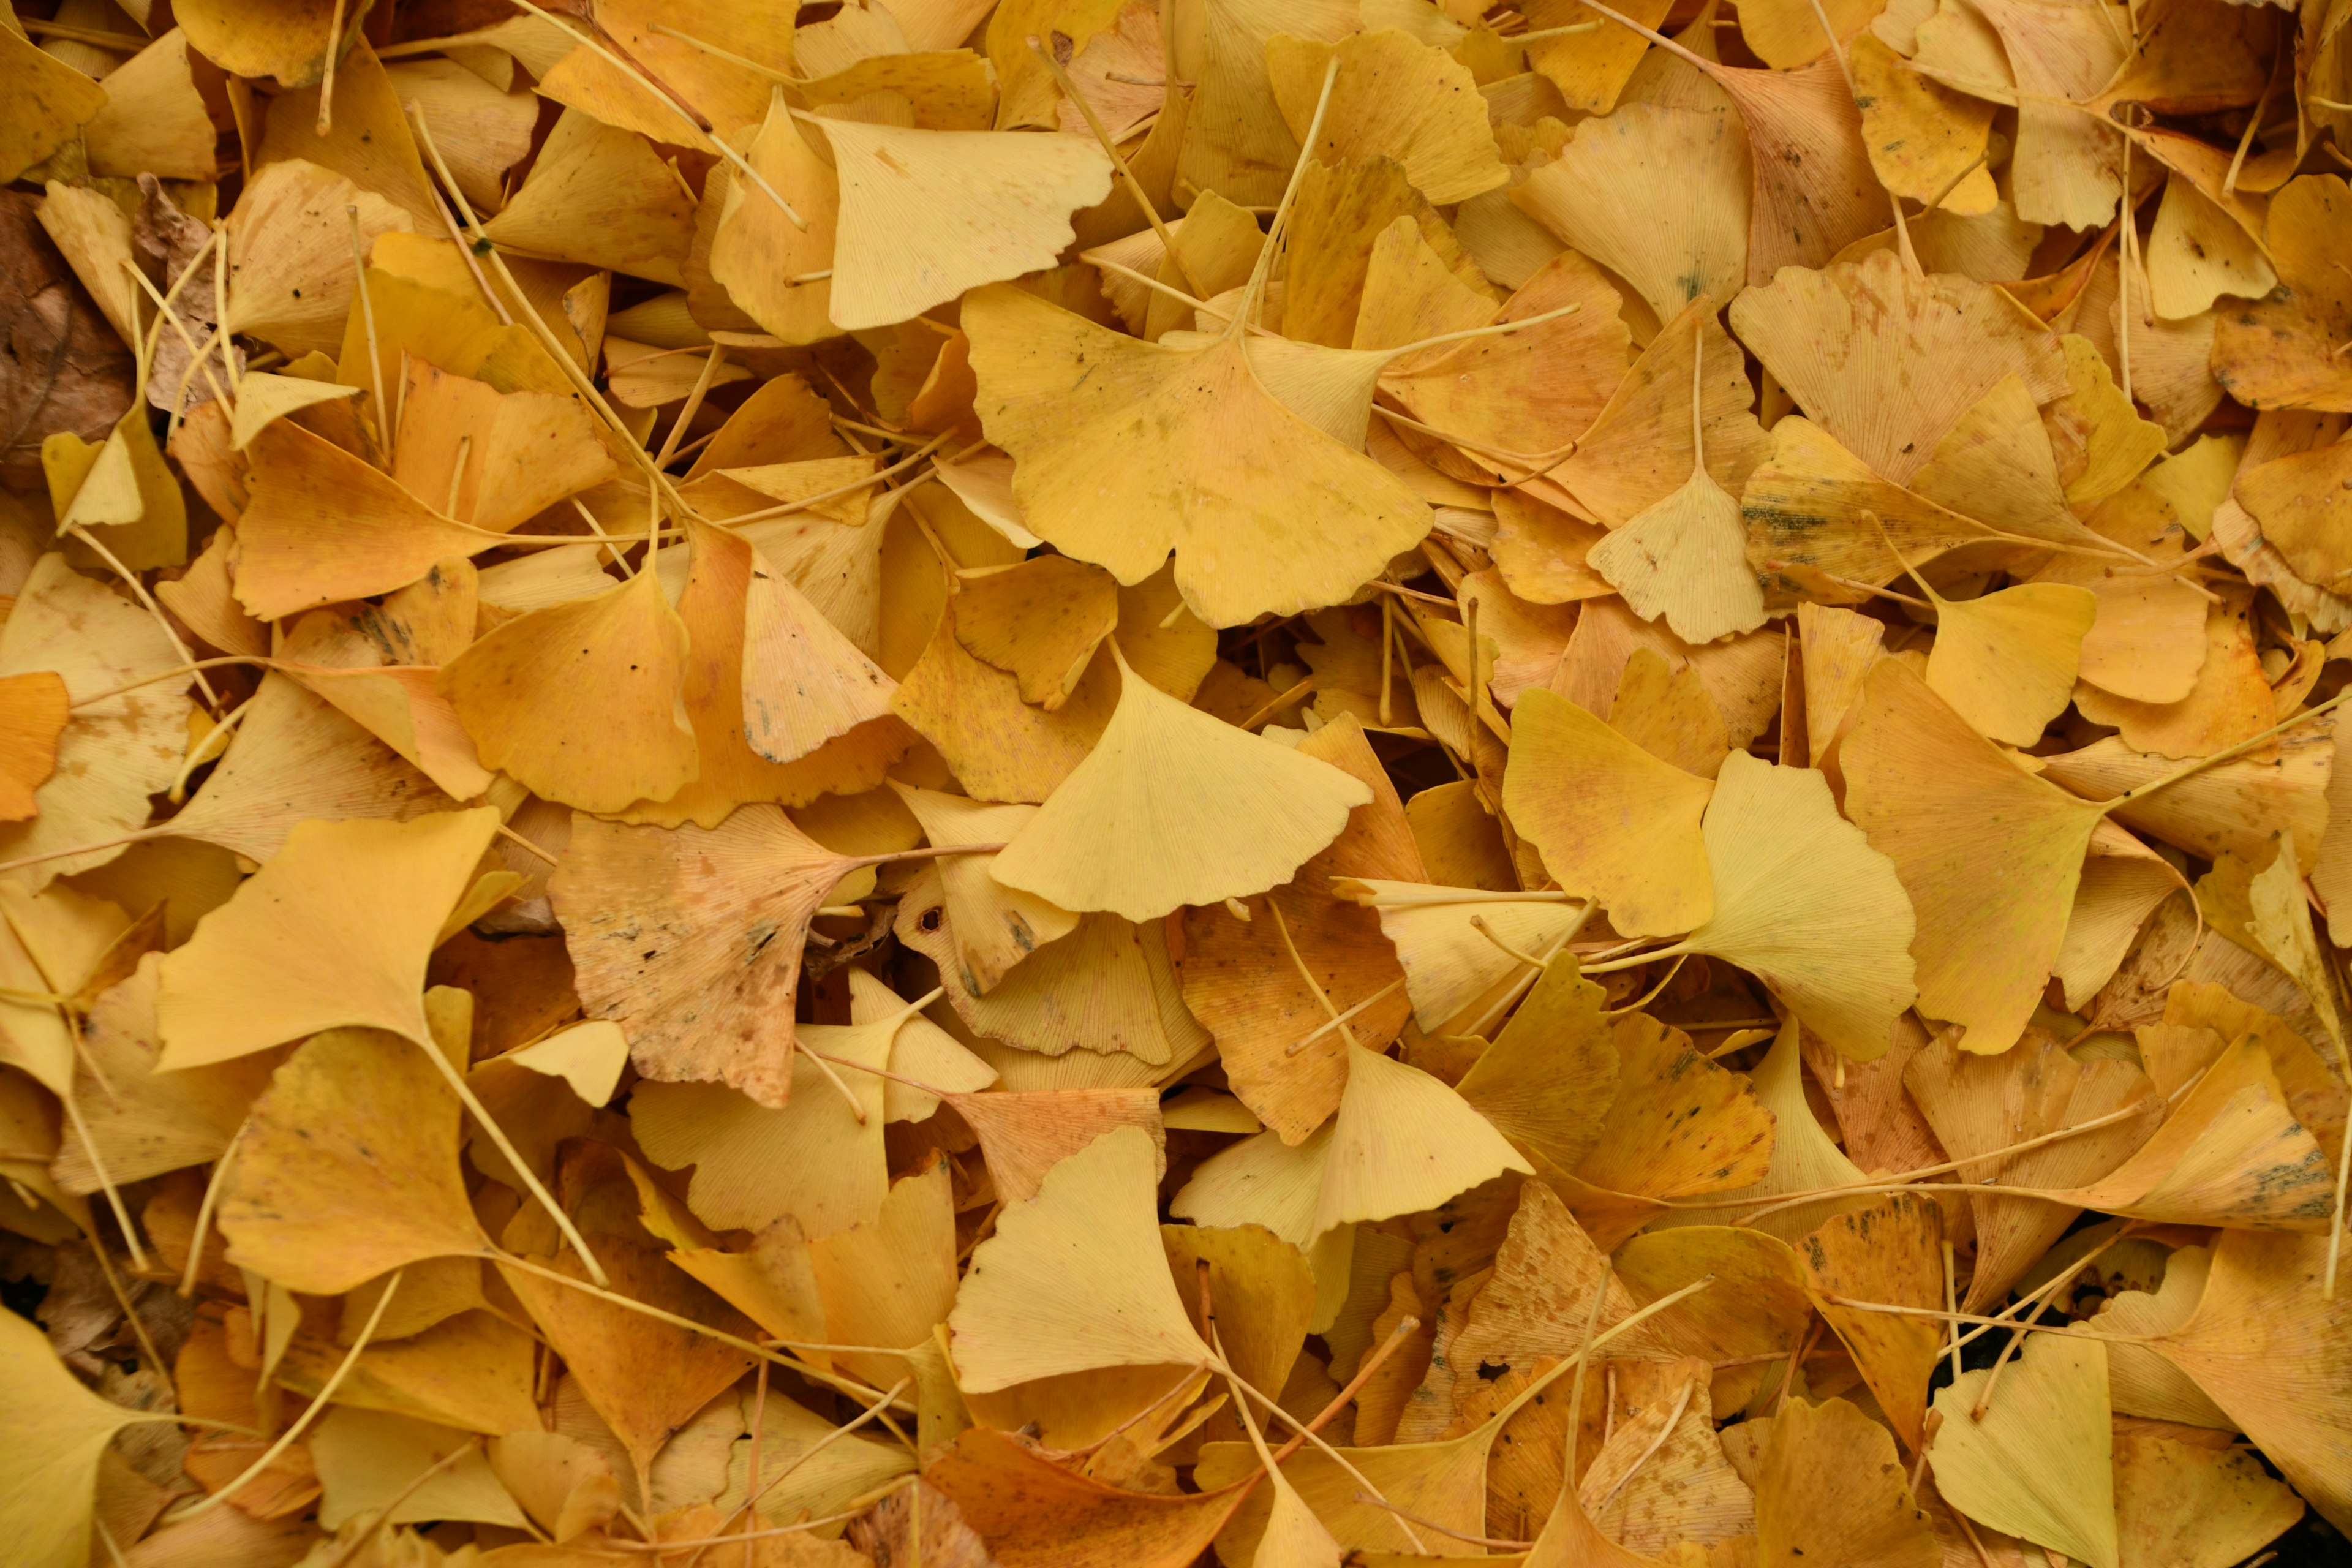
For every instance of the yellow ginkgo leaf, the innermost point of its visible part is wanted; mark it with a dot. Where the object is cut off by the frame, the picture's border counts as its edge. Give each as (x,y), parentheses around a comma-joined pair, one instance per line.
(994,926)
(2232,1153)
(296,758)
(691,938)
(1890,1253)
(1395,97)
(1886,360)
(1610,820)
(1040,620)
(1991,903)
(152,1121)
(292,279)
(583,702)
(2268,1347)
(263,399)
(1404,1142)
(325,526)
(58,1432)
(348,1168)
(289,40)
(602,197)
(1545,1082)
(1976,1104)
(1459,977)
(2037,1462)
(1024,1133)
(818,1159)
(34,709)
(119,746)
(490,457)
(2178,1500)
(155,120)
(1109,986)
(1075,1279)
(804,683)
(1658,193)
(927,215)
(759,256)
(1641,447)
(2007,661)
(1208,463)
(1830,1489)
(1807,904)
(1802,1156)
(332,931)
(1202,811)
(1686,557)
(52,100)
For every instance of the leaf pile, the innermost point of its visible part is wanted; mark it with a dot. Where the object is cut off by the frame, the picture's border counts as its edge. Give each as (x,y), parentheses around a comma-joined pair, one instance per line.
(1077,783)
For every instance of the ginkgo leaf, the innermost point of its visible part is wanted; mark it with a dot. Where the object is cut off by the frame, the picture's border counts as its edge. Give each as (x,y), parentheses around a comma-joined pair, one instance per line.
(150,1122)
(1889,1253)
(2180,1500)
(1041,621)
(333,932)
(758,255)
(54,101)
(819,1159)
(2231,1152)
(645,1378)
(1546,1272)
(2280,352)
(490,458)
(1395,96)
(263,399)
(604,197)
(1206,812)
(1269,989)
(1454,972)
(1611,820)
(59,1432)
(2036,1462)
(1029,1508)
(1830,1489)
(927,215)
(1404,1142)
(1074,1278)
(1991,907)
(1634,456)
(348,1168)
(325,525)
(1658,194)
(1976,1104)
(1802,1156)
(1675,1125)
(118,747)
(292,278)
(583,702)
(1544,1082)
(1208,459)
(994,926)
(692,939)
(1025,1133)
(2267,1346)
(2007,661)
(1887,362)
(1806,903)
(34,709)
(804,683)
(296,758)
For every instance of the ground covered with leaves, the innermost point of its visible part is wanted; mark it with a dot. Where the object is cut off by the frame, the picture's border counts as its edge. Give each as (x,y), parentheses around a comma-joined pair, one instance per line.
(1075,784)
